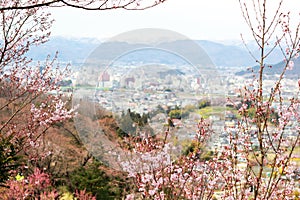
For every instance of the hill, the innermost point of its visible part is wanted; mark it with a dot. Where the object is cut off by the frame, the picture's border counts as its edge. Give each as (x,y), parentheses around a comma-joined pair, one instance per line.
(276,69)
(76,50)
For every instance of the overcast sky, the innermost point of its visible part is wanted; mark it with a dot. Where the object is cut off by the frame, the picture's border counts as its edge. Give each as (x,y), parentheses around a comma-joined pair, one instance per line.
(197,19)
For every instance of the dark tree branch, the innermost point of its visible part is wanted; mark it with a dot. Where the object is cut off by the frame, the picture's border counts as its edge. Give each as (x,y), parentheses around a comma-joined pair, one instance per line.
(37,5)
(86,5)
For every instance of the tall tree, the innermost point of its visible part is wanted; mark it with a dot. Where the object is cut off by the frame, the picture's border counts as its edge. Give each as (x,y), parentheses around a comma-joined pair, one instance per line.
(259,161)
(30,97)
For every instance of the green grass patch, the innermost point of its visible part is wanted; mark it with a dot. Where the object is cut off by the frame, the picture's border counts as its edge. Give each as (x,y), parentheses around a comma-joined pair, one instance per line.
(216,111)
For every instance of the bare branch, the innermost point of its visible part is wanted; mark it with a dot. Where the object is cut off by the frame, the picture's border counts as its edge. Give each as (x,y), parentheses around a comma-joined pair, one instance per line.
(87,4)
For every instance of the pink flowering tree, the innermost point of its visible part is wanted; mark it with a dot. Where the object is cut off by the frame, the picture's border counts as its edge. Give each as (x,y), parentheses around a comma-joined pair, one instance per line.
(262,138)
(37,186)
(30,97)
(157,175)
(259,162)
(31,100)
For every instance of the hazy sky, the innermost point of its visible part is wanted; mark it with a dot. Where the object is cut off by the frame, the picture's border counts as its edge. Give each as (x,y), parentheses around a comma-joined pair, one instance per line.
(197,19)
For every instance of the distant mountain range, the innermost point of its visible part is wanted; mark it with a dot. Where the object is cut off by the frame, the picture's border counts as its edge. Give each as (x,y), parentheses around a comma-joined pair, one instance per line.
(73,50)
(77,50)
(276,69)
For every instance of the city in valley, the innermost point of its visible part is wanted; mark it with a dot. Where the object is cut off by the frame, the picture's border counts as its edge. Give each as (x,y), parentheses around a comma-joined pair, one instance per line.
(161,90)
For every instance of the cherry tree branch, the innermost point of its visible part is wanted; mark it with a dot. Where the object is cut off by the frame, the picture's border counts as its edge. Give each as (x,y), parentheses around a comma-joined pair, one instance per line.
(86,4)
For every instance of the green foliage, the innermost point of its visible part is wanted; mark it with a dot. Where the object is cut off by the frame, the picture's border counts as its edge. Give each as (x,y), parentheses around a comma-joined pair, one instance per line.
(193,146)
(189,147)
(96,181)
(130,122)
(174,113)
(9,160)
(207,155)
(178,114)
(203,103)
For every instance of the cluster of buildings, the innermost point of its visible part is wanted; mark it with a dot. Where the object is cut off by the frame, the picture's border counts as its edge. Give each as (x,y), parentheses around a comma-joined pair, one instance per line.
(143,89)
